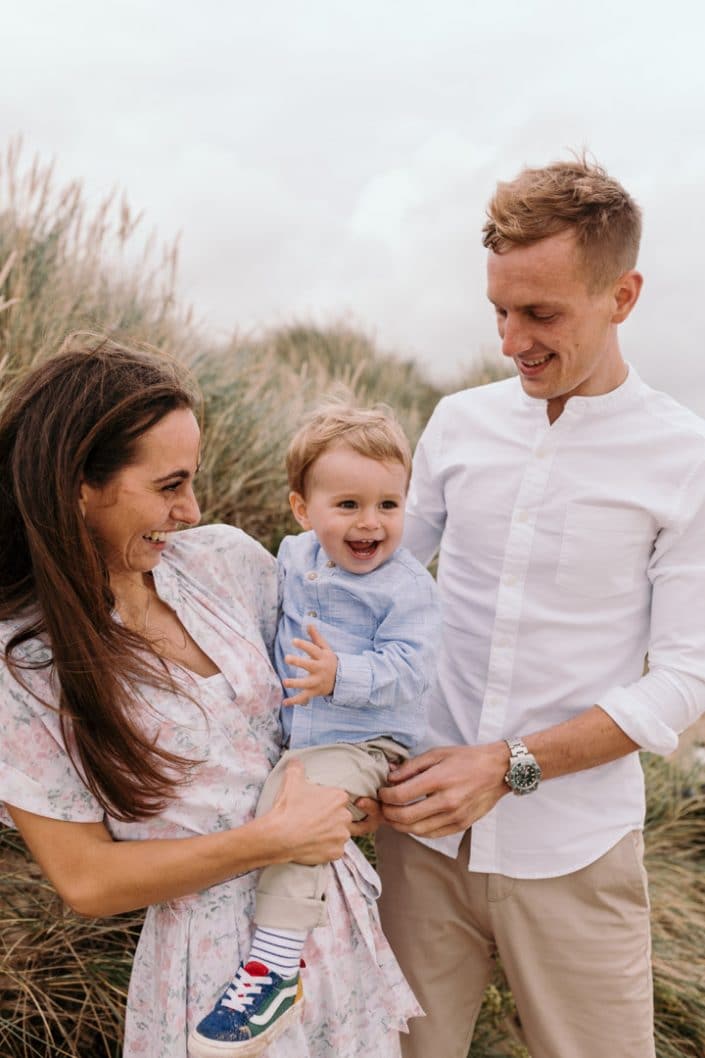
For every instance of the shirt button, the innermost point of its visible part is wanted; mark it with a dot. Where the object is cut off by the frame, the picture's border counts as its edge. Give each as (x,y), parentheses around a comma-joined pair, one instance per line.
(312,575)
(541,453)
(522,516)
(510,580)
(330,563)
(312,613)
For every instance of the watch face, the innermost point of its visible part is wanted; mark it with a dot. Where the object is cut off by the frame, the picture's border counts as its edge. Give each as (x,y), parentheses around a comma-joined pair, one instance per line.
(524,776)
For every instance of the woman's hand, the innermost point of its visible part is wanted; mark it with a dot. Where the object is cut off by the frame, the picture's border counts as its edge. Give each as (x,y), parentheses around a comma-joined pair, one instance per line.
(313,822)
(97,876)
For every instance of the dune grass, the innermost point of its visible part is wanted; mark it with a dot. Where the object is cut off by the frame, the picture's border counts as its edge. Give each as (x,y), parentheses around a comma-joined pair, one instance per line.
(63,979)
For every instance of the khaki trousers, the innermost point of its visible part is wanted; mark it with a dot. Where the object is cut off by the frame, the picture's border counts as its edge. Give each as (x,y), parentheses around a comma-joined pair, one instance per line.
(576,949)
(292,895)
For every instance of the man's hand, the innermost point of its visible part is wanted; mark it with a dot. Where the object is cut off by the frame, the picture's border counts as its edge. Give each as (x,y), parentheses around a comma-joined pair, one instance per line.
(451,786)
(373,817)
(321,664)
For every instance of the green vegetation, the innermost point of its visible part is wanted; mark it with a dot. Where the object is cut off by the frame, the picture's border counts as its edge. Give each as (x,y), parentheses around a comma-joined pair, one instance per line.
(63,979)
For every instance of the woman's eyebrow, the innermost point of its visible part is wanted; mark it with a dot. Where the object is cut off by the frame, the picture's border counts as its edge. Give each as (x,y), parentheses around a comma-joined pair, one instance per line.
(183,474)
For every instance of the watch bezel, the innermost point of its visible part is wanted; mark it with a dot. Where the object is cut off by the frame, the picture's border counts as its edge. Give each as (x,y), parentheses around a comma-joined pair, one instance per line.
(524,776)
(524,773)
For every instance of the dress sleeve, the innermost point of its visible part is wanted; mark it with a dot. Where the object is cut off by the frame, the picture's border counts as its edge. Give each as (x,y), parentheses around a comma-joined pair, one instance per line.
(36,772)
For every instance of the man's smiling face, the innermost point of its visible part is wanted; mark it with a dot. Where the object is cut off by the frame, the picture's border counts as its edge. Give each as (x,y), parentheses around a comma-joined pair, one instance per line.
(560,334)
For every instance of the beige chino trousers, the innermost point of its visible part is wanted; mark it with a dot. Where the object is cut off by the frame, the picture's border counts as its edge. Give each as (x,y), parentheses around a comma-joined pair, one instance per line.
(292,895)
(576,949)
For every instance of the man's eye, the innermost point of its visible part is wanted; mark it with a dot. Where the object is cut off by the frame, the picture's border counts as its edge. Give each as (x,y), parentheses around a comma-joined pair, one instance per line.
(544,318)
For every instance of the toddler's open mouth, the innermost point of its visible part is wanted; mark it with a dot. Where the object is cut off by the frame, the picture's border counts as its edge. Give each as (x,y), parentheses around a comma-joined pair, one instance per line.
(363,548)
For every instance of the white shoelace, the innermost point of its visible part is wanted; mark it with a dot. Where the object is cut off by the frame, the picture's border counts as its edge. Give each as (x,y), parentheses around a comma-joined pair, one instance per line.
(243,988)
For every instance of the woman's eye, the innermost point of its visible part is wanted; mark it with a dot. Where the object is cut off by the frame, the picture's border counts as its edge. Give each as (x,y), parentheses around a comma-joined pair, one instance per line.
(171,488)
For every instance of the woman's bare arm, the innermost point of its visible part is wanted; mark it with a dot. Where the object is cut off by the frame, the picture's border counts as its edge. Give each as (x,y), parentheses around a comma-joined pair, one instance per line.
(97,876)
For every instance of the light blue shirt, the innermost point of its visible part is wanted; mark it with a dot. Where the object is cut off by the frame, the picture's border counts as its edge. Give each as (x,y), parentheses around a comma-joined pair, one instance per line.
(384,628)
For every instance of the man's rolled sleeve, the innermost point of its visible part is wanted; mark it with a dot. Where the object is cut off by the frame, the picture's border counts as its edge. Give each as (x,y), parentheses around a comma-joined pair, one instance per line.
(655,709)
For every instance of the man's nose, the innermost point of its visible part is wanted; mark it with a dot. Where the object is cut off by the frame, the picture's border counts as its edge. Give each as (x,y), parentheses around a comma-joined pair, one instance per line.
(515,335)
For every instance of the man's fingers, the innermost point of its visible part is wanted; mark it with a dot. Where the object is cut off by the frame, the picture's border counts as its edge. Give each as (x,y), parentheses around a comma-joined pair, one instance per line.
(402,793)
(414,766)
(425,819)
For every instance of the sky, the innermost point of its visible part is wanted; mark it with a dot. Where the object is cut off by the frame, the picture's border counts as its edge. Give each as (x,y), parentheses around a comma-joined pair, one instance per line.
(325,161)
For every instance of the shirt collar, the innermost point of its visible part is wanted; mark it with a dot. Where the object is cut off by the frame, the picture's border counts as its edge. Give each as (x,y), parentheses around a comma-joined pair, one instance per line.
(617,399)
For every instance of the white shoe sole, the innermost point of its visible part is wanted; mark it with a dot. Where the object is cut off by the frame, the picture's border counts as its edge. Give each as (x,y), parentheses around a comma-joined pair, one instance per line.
(200,1047)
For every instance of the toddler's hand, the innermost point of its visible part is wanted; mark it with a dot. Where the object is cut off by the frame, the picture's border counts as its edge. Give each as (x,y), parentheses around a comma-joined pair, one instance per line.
(320,664)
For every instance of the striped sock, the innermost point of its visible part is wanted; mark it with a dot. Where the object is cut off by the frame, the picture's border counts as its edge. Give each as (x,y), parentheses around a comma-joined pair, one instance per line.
(279,949)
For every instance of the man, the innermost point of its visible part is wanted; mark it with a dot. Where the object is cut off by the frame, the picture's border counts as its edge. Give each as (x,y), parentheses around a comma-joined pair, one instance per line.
(569,506)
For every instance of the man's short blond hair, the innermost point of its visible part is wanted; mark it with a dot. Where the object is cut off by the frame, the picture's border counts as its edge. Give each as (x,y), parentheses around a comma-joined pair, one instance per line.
(576,196)
(372,432)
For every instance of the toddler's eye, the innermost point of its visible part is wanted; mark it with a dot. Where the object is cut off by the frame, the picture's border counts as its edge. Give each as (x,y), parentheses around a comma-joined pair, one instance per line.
(389,505)
(347,505)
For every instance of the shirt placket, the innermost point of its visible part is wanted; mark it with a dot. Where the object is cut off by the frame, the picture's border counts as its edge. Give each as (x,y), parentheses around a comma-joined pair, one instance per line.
(494,720)
(530,495)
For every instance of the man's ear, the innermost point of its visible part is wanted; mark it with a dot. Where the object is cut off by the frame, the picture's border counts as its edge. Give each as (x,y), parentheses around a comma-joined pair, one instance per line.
(626,294)
(298,509)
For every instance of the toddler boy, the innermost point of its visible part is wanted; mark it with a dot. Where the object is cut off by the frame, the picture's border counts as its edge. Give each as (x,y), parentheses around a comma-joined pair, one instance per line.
(371,613)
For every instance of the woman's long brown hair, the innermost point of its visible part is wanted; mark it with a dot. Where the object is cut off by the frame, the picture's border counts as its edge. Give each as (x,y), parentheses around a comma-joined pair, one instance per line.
(79,417)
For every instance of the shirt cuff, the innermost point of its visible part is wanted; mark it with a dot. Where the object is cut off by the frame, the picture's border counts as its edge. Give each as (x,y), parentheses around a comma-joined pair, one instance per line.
(353,681)
(654,710)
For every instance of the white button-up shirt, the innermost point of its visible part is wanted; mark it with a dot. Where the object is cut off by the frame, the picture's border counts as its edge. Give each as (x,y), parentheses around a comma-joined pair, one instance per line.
(567,551)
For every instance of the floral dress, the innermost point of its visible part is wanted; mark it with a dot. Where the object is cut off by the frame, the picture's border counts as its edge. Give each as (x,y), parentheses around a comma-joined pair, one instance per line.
(222,585)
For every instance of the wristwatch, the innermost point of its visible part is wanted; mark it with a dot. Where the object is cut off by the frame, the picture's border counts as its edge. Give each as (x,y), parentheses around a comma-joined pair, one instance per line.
(524,774)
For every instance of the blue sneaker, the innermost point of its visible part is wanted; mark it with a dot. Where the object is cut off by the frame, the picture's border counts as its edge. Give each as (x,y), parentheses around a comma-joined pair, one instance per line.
(253,1010)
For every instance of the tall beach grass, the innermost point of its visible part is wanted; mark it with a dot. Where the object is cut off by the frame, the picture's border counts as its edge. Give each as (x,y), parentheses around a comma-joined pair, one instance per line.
(64,267)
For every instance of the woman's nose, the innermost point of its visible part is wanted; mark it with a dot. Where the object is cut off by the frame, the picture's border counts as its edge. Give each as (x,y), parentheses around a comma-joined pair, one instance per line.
(186,509)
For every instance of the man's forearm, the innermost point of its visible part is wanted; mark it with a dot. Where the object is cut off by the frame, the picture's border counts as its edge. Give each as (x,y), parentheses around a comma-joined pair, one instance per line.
(584,741)
(447,789)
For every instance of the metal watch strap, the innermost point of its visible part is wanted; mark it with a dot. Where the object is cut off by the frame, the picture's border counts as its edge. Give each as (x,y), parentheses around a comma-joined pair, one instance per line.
(516,748)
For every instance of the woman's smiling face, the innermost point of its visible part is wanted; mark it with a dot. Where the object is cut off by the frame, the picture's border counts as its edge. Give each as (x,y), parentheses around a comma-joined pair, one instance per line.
(129,517)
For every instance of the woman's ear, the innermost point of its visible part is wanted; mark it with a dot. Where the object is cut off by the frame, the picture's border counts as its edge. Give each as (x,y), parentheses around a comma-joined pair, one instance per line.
(82,499)
(298,509)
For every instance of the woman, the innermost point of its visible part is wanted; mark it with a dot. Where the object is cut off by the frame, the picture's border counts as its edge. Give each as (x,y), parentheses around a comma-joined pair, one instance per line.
(140,712)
